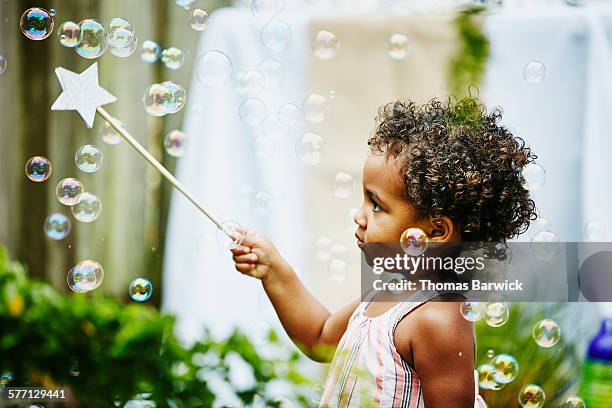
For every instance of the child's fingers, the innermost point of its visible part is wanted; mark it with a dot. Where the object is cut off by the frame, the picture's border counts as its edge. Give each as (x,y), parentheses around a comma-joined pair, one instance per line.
(240,250)
(245,258)
(245,267)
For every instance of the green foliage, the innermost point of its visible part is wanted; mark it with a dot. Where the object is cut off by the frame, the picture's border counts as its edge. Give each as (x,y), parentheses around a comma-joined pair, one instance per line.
(107,352)
(467,68)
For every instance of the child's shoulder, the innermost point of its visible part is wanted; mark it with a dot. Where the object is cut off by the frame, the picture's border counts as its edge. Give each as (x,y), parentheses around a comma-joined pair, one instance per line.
(439,316)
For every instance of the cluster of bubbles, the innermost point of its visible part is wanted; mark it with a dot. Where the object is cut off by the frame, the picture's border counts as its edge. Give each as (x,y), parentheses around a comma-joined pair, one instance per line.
(343,185)
(91,39)
(495,314)
(546,333)
(499,371)
(398,46)
(172,57)
(140,289)
(36,23)
(162,99)
(175,143)
(334,254)
(38,168)
(88,158)
(85,276)
(414,241)
(121,37)
(534,72)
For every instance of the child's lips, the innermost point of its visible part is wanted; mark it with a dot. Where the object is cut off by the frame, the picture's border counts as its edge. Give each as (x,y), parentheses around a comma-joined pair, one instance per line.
(360,243)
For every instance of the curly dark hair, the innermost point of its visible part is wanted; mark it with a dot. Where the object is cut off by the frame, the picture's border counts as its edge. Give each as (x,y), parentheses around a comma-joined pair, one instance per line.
(458,161)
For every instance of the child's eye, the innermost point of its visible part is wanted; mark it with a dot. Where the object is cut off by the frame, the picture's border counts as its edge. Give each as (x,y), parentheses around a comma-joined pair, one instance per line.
(375,206)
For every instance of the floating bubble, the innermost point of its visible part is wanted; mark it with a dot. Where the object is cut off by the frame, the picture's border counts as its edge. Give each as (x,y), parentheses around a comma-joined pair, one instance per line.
(252,111)
(52,12)
(574,402)
(109,134)
(252,82)
(36,23)
(214,69)
(38,168)
(173,58)
(490,353)
(186,4)
(262,203)
(398,46)
(273,128)
(274,71)
(276,35)
(150,52)
(310,148)
(486,378)
(175,143)
(119,33)
(289,114)
(57,226)
(534,176)
(68,190)
(264,9)
(343,184)
(124,52)
(531,396)
(88,158)
(325,44)
(198,19)
(87,207)
(2,65)
(414,241)
(263,147)
(506,368)
(176,96)
(349,219)
(315,108)
(595,231)
(164,98)
(140,289)
(537,225)
(471,311)
(534,72)
(546,333)
(92,39)
(85,276)
(545,245)
(231,235)
(496,314)
(68,34)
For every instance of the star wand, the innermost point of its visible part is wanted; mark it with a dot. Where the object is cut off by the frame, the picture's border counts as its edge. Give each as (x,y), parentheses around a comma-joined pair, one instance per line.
(82,92)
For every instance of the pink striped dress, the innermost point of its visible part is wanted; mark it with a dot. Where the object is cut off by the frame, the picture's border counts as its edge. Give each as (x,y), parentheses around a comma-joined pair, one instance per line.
(367,370)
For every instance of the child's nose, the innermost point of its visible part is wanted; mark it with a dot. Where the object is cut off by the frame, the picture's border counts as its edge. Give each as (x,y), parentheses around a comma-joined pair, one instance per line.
(360,218)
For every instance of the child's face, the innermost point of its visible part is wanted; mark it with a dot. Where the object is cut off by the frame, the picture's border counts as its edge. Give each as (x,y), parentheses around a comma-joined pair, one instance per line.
(385,212)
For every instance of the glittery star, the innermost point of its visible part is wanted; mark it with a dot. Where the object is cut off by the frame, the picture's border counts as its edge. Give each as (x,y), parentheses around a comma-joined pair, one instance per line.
(81,92)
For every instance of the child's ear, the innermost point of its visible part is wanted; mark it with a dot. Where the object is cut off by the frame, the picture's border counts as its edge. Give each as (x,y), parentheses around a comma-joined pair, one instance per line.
(441,229)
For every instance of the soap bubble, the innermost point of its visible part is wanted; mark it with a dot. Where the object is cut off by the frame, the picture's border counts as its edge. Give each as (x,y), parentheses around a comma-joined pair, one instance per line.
(274,71)
(124,52)
(88,158)
(276,35)
(264,9)
(214,69)
(263,147)
(506,368)
(343,185)
(496,314)
(486,378)
(164,98)
(325,44)
(252,111)
(471,311)
(175,143)
(349,219)
(595,231)
(262,203)
(398,46)
(252,82)
(140,289)
(534,72)
(315,108)
(186,4)
(534,177)
(87,207)
(92,39)
(109,134)
(289,114)
(538,225)
(545,245)
(85,276)
(57,226)
(36,23)
(2,65)
(68,34)
(151,51)
(414,241)
(531,396)
(68,190)
(198,19)
(310,148)
(52,12)
(574,402)
(231,235)
(119,33)
(546,333)
(490,353)
(176,96)
(38,168)
(273,128)
(173,58)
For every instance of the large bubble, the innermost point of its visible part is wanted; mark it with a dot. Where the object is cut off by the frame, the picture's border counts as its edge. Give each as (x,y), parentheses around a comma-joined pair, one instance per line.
(140,289)
(252,111)
(173,58)
(398,46)
(38,168)
(109,134)
(89,158)
(315,108)
(325,44)
(36,23)
(496,314)
(545,245)
(124,52)
(471,311)
(92,39)
(414,241)
(574,402)
(87,208)
(57,226)
(310,148)
(119,33)
(175,143)
(150,52)
(533,176)
(486,378)
(546,333)
(68,190)
(214,69)
(68,34)
(531,396)
(506,368)
(276,35)
(85,276)
(164,98)
(534,72)
(198,19)
(595,230)
(343,184)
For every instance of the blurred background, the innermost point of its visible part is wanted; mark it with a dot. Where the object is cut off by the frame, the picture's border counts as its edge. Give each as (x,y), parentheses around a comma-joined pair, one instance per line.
(281,97)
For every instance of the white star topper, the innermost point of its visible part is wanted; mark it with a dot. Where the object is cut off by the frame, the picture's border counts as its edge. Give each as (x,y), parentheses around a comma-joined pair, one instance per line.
(81,92)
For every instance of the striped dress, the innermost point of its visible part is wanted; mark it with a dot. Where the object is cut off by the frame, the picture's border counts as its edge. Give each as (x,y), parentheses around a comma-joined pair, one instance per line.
(367,370)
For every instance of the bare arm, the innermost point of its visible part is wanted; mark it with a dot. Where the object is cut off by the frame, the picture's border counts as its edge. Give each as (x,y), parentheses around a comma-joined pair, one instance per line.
(307,322)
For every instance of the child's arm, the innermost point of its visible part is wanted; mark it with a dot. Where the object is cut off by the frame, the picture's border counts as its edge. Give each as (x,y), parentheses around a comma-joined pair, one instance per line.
(307,322)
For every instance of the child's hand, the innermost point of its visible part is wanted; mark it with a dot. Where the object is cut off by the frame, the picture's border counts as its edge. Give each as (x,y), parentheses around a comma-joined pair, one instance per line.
(257,256)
